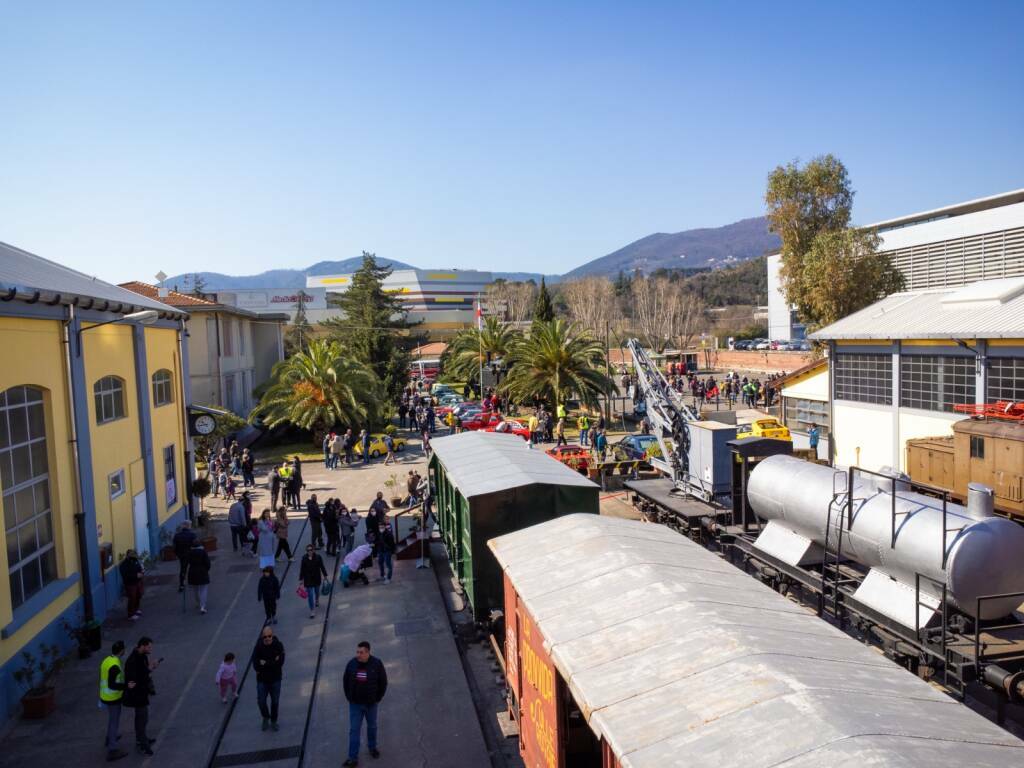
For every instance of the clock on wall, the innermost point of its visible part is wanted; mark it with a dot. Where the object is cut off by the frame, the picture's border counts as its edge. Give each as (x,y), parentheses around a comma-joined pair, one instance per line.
(203,424)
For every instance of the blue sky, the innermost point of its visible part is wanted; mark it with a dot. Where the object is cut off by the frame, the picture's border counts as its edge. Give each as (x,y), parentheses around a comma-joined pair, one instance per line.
(243,136)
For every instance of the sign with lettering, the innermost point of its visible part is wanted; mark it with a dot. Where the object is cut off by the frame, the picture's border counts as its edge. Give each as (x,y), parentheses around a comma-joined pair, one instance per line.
(538,706)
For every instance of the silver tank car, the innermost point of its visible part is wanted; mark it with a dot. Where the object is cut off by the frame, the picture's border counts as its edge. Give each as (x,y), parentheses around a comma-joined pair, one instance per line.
(983,556)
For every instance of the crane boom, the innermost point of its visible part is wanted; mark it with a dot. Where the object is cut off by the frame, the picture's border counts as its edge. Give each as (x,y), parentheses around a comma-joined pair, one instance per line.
(668,414)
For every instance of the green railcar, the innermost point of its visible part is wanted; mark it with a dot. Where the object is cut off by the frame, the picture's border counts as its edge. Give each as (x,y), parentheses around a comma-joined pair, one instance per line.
(487,484)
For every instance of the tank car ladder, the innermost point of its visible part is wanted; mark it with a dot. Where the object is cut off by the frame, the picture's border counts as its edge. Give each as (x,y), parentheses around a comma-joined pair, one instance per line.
(832,578)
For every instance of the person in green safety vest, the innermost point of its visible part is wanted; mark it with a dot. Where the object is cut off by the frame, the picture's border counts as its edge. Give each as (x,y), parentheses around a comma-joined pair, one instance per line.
(560,411)
(584,424)
(111,691)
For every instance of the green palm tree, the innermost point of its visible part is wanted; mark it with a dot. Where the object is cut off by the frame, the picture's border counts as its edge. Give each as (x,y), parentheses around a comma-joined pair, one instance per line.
(557,360)
(319,388)
(470,348)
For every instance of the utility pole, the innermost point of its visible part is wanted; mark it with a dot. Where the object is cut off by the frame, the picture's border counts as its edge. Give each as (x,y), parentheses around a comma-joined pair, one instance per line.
(608,374)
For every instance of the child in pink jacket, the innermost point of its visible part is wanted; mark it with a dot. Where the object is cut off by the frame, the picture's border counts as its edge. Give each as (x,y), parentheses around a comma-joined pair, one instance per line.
(227,677)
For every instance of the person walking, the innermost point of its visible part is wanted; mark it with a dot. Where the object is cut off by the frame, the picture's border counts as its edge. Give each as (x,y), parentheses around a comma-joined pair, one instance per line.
(385,551)
(275,487)
(268,591)
(132,573)
(182,543)
(248,469)
(227,678)
(584,424)
(297,481)
(268,661)
(348,521)
(327,449)
(138,677)
(350,444)
(377,515)
(331,527)
(365,682)
(814,436)
(281,532)
(389,445)
(316,521)
(412,486)
(364,443)
(312,574)
(199,573)
(560,433)
(533,424)
(336,447)
(236,522)
(111,691)
(265,539)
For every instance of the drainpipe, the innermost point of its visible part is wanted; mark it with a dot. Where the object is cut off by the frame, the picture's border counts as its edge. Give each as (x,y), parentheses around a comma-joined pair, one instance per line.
(83,557)
(184,372)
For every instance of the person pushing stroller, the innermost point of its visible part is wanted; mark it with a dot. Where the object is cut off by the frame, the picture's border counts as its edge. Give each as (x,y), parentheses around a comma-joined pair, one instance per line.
(354,563)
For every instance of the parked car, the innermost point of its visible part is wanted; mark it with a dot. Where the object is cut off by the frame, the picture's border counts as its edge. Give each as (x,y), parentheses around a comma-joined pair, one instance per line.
(462,409)
(573,456)
(805,346)
(481,420)
(767,427)
(441,389)
(742,344)
(377,447)
(763,344)
(510,426)
(633,447)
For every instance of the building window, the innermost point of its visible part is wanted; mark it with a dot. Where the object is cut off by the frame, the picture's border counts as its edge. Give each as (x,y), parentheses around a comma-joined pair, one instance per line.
(116,482)
(170,476)
(163,391)
(228,341)
(229,392)
(801,413)
(936,382)
(109,394)
(1005,379)
(977,447)
(243,328)
(25,480)
(864,378)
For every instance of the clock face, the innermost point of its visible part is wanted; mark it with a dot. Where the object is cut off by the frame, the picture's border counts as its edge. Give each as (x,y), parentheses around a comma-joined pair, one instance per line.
(205,424)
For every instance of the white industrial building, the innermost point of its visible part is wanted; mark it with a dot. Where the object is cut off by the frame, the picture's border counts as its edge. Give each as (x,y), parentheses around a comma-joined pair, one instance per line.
(977,240)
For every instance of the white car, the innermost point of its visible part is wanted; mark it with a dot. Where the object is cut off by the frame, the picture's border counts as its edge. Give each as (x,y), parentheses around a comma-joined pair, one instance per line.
(763,345)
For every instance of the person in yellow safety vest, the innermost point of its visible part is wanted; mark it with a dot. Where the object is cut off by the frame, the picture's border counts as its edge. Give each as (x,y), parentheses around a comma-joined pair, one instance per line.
(560,411)
(111,691)
(533,424)
(584,424)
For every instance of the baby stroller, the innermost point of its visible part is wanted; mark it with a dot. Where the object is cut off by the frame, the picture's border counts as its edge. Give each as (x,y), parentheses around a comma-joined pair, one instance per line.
(354,563)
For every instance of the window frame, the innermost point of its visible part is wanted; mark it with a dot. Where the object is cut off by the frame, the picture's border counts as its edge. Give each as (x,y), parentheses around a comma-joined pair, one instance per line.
(119,474)
(164,386)
(170,473)
(851,382)
(102,389)
(1004,378)
(39,523)
(937,382)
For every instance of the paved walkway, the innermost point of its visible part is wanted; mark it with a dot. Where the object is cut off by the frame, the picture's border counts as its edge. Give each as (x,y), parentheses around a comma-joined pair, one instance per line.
(426,719)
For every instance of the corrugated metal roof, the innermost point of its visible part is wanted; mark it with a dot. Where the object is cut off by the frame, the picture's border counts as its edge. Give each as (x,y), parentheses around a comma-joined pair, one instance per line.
(486,462)
(677,658)
(32,278)
(938,314)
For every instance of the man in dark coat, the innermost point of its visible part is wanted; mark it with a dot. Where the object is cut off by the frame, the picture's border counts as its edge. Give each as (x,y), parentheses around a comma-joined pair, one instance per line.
(182,544)
(365,683)
(268,661)
(315,522)
(131,578)
(138,683)
(199,573)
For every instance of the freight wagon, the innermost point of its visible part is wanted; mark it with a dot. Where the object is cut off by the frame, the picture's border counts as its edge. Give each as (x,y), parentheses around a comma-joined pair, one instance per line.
(487,484)
(629,646)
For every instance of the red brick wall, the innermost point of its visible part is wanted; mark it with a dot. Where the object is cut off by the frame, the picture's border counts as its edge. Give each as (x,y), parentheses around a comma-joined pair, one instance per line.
(760,362)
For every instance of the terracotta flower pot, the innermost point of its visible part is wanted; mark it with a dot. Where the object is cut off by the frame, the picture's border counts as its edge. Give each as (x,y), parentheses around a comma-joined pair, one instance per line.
(396,501)
(167,554)
(38,703)
(209,543)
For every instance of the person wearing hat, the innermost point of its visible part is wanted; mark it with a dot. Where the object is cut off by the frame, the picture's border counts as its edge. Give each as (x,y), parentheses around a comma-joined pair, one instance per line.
(131,577)
(111,692)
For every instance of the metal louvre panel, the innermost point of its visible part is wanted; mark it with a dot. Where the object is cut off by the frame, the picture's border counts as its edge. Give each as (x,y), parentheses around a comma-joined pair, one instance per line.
(961,260)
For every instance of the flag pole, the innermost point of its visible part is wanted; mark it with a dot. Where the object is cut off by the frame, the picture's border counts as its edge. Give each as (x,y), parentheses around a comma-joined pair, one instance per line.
(480,338)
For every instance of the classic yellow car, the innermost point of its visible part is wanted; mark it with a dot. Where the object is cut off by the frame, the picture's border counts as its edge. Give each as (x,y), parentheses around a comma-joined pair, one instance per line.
(377,447)
(767,427)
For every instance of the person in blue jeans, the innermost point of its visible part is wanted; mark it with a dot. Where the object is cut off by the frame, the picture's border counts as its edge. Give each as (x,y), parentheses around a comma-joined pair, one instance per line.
(385,550)
(268,661)
(312,574)
(365,682)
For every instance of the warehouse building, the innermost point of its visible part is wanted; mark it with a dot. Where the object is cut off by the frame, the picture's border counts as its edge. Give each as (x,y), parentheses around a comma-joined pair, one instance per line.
(93,446)
(440,300)
(486,484)
(899,366)
(977,240)
(804,395)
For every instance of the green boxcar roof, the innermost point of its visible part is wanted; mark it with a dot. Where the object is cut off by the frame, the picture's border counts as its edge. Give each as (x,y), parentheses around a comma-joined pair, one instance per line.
(478,463)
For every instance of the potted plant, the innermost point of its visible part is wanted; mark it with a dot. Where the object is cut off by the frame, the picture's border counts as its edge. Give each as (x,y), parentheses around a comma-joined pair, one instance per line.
(167,546)
(88,635)
(391,484)
(202,487)
(35,676)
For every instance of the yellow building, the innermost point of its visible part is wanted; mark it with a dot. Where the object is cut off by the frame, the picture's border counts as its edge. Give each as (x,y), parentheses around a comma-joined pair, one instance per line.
(899,367)
(93,446)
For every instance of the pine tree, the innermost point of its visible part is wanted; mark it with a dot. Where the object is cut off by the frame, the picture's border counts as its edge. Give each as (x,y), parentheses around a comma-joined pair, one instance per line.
(543,308)
(373,327)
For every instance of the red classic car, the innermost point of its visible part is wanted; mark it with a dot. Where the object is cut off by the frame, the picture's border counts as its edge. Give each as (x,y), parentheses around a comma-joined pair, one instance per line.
(482,420)
(510,426)
(573,456)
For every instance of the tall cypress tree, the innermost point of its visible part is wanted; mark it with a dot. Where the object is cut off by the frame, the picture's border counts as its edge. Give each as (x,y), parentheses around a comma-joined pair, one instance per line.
(298,336)
(543,308)
(373,327)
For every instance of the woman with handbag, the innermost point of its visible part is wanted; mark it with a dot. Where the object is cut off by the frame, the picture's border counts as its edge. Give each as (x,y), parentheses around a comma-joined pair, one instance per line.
(311,575)
(281,531)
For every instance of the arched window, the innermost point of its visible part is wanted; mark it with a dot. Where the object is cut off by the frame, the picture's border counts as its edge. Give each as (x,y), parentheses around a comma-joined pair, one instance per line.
(25,481)
(163,392)
(109,394)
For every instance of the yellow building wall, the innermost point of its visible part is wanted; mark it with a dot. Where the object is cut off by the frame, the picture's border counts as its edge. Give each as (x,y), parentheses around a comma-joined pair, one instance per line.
(863,435)
(37,347)
(109,351)
(812,386)
(167,420)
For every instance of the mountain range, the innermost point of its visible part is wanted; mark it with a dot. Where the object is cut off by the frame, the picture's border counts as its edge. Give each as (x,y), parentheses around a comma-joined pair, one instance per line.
(692,249)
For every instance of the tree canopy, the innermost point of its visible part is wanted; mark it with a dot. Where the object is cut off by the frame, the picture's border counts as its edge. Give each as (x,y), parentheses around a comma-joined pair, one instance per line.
(472,347)
(543,308)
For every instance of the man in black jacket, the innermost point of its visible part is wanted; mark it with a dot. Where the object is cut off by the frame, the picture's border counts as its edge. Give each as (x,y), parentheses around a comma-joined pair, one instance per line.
(365,682)
(268,661)
(199,573)
(131,577)
(315,522)
(138,684)
(182,544)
